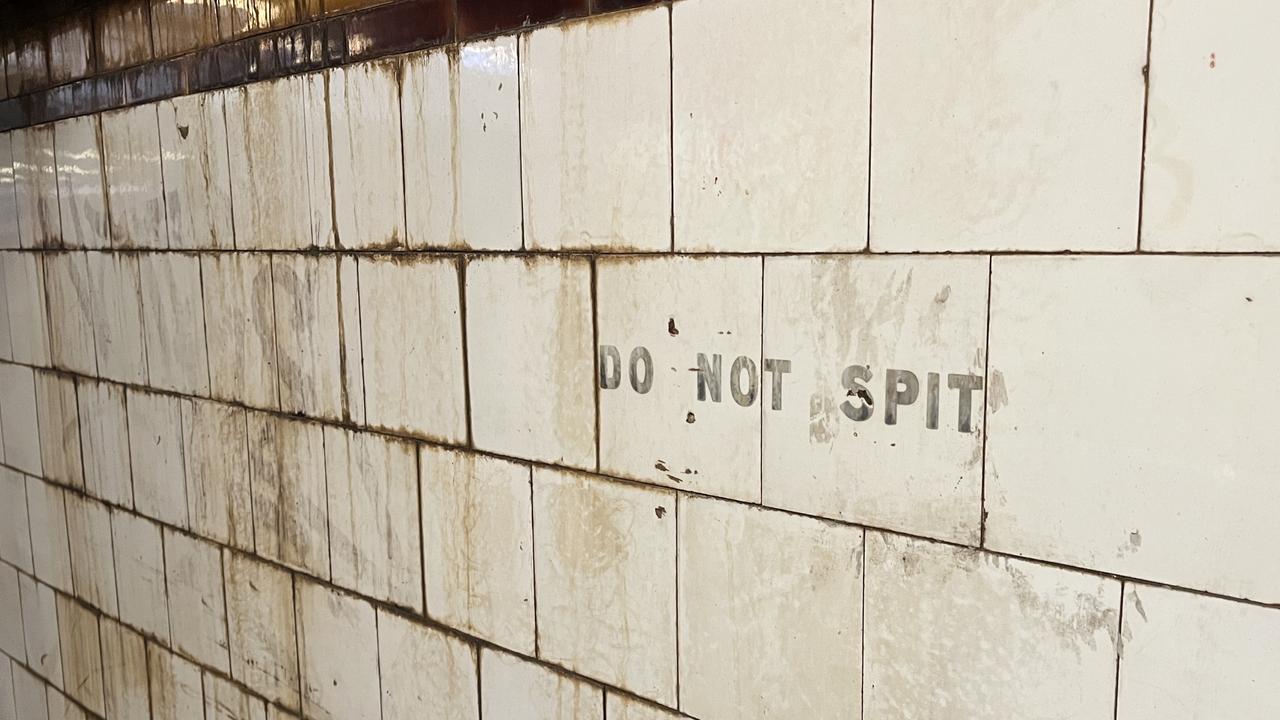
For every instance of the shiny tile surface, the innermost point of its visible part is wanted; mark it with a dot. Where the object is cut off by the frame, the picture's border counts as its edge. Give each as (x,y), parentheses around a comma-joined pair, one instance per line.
(131,159)
(36,186)
(368,183)
(197,179)
(82,197)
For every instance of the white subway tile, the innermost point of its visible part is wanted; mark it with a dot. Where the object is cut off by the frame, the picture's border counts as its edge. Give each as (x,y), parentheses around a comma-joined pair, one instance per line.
(20,434)
(50,546)
(81,654)
(25,299)
(998,133)
(606,581)
(155,450)
(36,186)
(135,188)
(308,342)
(461,121)
(197,610)
(290,506)
(1210,171)
(71,307)
(956,632)
(448,692)
(270,161)
(8,707)
(13,641)
(595,126)
(62,708)
(477,541)
(375,540)
(1166,351)
(368,177)
(82,198)
(124,664)
(116,287)
(240,324)
(173,322)
(176,690)
(6,329)
(197,181)
(529,338)
(29,693)
(104,441)
(411,340)
(93,567)
(514,688)
(260,619)
(743,599)
(1191,656)
(338,643)
(9,237)
(144,604)
(215,455)
(15,528)
(225,701)
(621,707)
(678,310)
(842,324)
(40,628)
(58,423)
(771,154)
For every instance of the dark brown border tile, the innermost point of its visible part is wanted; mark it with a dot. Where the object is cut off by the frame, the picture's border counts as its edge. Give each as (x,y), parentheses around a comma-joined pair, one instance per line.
(482,17)
(397,28)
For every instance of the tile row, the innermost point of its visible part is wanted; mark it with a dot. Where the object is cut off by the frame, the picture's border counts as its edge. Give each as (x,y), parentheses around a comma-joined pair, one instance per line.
(626,132)
(856,388)
(860,623)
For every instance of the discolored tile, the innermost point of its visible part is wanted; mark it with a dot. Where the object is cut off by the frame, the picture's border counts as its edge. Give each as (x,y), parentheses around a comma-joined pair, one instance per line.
(131,158)
(197,610)
(36,186)
(82,197)
(449,692)
(173,322)
(215,455)
(240,325)
(338,652)
(512,687)
(368,179)
(122,33)
(260,616)
(480,17)
(197,184)
(140,573)
(290,506)
(104,440)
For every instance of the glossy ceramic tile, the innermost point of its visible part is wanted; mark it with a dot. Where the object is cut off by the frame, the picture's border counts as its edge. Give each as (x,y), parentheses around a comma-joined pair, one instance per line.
(28,67)
(40,628)
(414,376)
(18,423)
(176,685)
(308,336)
(59,428)
(70,312)
(81,654)
(771,155)
(124,661)
(374,532)
(272,166)
(173,322)
(260,619)
(15,531)
(529,358)
(197,607)
(338,651)
(197,180)
(30,696)
(135,197)
(70,48)
(1209,160)
(478,17)
(122,33)
(82,198)
(104,441)
(660,320)
(1001,135)
(368,178)
(807,617)
(461,126)
(477,542)
(1187,655)
(155,451)
(511,688)
(290,507)
(989,619)
(181,25)
(36,186)
(9,233)
(596,133)
(621,707)
(606,569)
(93,567)
(240,327)
(1050,458)
(225,701)
(215,456)
(870,340)
(140,574)
(50,543)
(449,692)
(116,287)
(24,291)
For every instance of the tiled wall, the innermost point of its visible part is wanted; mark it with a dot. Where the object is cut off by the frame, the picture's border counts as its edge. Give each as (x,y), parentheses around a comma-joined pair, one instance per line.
(718,359)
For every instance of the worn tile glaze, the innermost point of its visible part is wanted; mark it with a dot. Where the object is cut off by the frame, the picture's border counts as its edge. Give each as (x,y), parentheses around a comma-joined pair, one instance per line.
(197,180)
(131,160)
(81,189)
(368,185)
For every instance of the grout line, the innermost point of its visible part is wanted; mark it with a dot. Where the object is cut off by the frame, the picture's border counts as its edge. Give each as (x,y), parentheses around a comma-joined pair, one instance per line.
(986,404)
(862,632)
(595,352)
(524,223)
(762,391)
(675,517)
(671,120)
(533,558)
(871,81)
(1115,707)
(1146,104)
(466,358)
